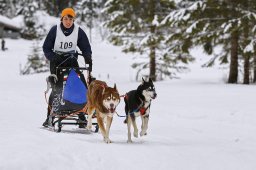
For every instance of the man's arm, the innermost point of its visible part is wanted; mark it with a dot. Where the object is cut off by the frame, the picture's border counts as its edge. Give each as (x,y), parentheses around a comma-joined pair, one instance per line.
(83,44)
(49,43)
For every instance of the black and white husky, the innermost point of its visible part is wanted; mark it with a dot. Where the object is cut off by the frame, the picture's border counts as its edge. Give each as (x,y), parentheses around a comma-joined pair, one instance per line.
(137,103)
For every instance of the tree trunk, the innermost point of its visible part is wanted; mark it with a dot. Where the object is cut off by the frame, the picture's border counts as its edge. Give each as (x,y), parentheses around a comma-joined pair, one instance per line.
(247,69)
(152,64)
(233,69)
(246,55)
(254,67)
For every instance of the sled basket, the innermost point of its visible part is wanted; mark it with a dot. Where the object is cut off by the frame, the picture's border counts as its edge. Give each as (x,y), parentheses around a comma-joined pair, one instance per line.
(71,97)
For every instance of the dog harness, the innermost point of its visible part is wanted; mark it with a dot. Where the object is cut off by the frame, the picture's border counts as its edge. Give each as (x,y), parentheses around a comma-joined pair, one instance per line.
(140,108)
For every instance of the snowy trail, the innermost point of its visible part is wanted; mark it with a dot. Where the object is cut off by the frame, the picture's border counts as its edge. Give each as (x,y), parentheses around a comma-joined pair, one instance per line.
(196,123)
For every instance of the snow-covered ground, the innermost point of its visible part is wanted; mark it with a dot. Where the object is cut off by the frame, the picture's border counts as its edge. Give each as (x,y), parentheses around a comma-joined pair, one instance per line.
(196,123)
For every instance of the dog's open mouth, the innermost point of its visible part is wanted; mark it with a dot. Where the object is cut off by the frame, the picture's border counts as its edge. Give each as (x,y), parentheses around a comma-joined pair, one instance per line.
(154,96)
(112,110)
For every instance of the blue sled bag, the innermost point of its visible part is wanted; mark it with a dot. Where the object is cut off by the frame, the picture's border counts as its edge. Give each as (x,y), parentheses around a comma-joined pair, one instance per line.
(74,93)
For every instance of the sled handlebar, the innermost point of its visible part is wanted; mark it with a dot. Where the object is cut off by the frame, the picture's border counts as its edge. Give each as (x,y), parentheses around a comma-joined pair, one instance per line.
(90,64)
(89,68)
(76,68)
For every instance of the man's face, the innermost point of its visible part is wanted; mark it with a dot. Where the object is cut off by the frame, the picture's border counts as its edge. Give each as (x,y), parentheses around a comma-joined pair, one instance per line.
(67,21)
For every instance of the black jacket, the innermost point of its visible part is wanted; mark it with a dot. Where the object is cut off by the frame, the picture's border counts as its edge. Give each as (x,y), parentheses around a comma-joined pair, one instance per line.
(82,41)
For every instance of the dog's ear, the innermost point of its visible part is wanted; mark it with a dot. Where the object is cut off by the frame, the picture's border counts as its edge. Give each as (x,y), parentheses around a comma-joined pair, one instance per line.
(115,88)
(143,81)
(103,91)
(150,80)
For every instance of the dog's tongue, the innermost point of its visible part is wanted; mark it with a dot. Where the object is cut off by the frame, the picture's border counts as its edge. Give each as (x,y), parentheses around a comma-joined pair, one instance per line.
(112,110)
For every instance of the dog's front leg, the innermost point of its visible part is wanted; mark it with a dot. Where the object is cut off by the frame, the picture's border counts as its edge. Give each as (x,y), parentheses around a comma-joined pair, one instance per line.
(100,120)
(129,129)
(89,123)
(144,126)
(135,128)
(101,125)
(108,125)
(90,114)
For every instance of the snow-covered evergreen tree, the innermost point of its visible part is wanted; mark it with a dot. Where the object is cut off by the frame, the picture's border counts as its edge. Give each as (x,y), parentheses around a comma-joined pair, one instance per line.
(87,11)
(7,8)
(36,61)
(54,7)
(3,7)
(134,24)
(213,23)
(31,29)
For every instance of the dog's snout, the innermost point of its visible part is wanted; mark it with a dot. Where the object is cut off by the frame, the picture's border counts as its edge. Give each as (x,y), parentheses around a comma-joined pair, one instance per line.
(154,95)
(111,105)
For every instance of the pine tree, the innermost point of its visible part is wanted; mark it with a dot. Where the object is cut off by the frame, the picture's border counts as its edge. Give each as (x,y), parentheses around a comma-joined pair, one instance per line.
(212,23)
(36,62)
(134,24)
(31,30)
(254,65)
(87,11)
(3,7)
(238,17)
(54,7)
(248,21)
(179,39)
(7,8)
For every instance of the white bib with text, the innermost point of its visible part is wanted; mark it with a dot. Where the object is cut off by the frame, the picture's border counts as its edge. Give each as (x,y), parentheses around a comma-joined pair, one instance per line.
(66,44)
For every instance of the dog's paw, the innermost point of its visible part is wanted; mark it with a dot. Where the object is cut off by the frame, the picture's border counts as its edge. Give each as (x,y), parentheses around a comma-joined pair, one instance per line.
(129,141)
(89,128)
(135,134)
(107,140)
(143,133)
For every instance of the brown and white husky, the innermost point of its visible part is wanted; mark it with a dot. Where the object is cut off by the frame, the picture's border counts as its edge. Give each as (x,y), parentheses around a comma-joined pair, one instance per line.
(103,100)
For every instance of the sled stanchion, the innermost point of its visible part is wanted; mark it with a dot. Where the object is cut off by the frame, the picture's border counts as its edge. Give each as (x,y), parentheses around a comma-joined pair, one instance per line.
(59,125)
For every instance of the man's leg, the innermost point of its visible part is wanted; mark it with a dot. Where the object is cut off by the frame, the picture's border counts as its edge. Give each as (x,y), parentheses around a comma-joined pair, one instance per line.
(46,123)
(82,120)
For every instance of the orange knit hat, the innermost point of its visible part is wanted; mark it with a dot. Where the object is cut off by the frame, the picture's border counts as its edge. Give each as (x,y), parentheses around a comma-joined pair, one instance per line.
(68,11)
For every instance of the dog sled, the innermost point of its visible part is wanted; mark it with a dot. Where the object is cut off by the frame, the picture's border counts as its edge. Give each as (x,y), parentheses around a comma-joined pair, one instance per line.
(68,98)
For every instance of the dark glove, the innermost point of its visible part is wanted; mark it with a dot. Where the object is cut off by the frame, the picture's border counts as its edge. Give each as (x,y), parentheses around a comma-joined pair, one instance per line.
(55,58)
(54,62)
(88,60)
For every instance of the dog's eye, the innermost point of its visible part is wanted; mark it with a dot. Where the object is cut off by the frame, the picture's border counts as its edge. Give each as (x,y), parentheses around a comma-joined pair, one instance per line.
(151,88)
(108,98)
(113,98)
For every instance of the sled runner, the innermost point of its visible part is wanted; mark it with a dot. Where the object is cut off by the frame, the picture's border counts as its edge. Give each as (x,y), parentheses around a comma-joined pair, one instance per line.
(68,98)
